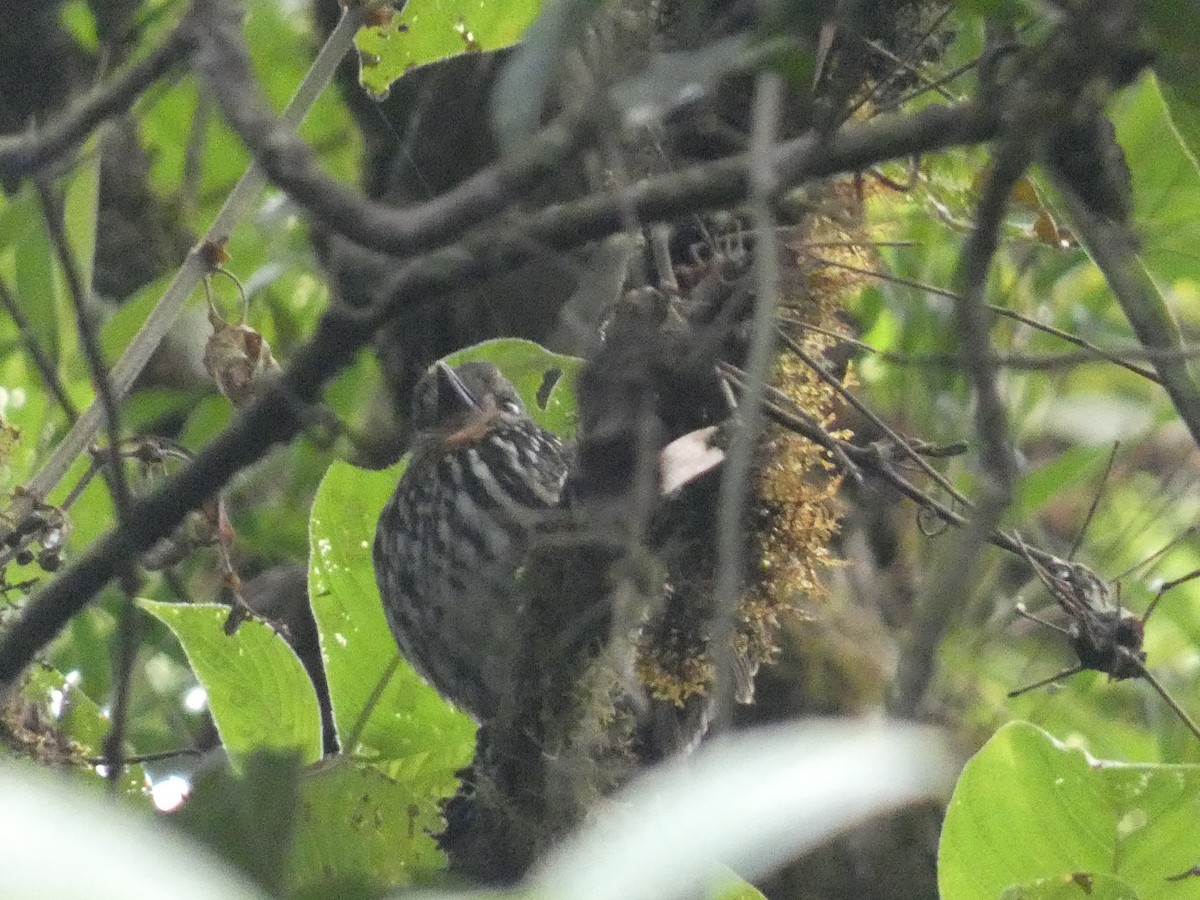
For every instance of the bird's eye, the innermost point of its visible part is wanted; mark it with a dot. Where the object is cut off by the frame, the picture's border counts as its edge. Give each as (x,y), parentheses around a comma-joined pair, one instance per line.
(512,407)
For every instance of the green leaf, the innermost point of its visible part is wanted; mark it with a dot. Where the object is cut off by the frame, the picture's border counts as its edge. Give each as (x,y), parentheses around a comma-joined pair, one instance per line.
(1166,182)
(1066,472)
(35,274)
(528,366)
(30,264)
(123,325)
(1027,807)
(431,30)
(1184,110)
(80,208)
(357,825)
(247,820)
(258,692)
(728,886)
(77,717)
(1071,886)
(78,20)
(409,719)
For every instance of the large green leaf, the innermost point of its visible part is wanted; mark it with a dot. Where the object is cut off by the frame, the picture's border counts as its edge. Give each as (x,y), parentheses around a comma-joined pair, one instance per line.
(431,30)
(249,820)
(41,286)
(1166,181)
(1027,807)
(81,206)
(357,825)
(1071,887)
(31,269)
(529,367)
(408,718)
(258,692)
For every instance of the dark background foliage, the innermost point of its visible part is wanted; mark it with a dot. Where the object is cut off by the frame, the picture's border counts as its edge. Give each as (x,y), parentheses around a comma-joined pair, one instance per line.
(999,199)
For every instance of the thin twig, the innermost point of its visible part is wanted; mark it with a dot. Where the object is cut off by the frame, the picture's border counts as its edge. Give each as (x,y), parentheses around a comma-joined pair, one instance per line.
(936,84)
(1035,362)
(783,410)
(731,499)
(126,651)
(125,371)
(1108,355)
(1095,504)
(340,333)
(870,415)
(141,758)
(350,745)
(52,213)
(905,65)
(876,461)
(45,365)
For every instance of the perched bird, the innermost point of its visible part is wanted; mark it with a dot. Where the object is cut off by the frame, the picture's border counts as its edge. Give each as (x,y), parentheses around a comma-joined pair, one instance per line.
(480,479)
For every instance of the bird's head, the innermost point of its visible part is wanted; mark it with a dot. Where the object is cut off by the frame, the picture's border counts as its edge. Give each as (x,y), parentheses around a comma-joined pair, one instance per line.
(459,405)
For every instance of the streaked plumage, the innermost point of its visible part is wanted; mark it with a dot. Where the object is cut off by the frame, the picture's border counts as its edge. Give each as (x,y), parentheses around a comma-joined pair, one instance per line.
(449,541)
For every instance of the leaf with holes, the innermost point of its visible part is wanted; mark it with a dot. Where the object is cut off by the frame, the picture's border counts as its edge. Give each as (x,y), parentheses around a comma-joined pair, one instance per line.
(1027,807)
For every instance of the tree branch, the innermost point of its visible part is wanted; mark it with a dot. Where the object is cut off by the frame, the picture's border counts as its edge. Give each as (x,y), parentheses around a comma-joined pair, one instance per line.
(126,369)
(1113,251)
(739,461)
(274,415)
(291,164)
(223,61)
(27,154)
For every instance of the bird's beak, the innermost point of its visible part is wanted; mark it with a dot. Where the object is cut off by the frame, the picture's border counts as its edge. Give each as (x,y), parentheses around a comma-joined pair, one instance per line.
(453,396)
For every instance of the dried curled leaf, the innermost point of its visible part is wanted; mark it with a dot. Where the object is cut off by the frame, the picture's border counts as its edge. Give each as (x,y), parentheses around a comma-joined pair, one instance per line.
(9,436)
(237,358)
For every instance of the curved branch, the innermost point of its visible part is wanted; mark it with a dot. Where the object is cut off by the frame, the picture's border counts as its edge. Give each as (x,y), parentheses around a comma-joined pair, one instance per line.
(27,154)
(223,61)
(126,369)
(291,164)
(274,416)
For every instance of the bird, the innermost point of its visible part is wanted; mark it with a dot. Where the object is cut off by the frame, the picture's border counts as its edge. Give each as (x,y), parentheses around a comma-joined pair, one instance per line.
(482,476)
